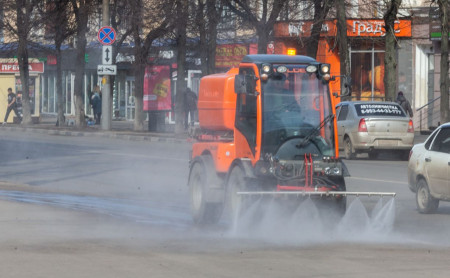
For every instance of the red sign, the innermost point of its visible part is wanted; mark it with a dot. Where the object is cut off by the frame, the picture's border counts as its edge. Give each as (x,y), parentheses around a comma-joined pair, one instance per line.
(230,55)
(14,67)
(157,91)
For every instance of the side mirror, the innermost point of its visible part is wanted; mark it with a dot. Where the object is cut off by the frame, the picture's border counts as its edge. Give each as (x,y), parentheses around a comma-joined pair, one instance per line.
(347,85)
(244,84)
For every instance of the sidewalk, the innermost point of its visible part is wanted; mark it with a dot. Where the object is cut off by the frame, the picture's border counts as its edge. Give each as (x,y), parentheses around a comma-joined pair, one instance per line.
(119,129)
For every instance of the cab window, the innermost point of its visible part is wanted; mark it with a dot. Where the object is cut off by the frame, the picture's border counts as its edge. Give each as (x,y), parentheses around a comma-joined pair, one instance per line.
(246,113)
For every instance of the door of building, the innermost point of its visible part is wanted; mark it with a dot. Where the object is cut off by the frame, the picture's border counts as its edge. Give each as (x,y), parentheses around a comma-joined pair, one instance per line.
(129,99)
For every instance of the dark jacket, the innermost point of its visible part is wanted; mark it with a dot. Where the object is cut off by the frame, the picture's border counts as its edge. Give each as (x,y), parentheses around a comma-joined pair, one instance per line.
(404,103)
(190,100)
(96,102)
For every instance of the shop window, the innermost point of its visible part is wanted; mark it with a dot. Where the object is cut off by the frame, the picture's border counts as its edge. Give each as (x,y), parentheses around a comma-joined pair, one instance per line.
(367,73)
(31,91)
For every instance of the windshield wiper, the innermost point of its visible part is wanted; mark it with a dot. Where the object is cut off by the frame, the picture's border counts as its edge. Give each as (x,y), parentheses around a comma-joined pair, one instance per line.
(314,131)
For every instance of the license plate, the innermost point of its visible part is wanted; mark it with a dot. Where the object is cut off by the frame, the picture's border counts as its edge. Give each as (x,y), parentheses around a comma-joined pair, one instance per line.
(387,142)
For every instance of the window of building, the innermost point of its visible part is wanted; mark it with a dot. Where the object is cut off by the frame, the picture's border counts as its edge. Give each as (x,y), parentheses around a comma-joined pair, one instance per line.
(367,70)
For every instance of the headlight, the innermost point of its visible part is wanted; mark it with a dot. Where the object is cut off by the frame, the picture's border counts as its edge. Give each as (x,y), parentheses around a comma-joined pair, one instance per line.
(325,68)
(266,68)
(311,68)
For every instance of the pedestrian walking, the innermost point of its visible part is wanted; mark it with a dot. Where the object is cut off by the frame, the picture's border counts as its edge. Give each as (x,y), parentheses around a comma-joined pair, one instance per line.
(96,103)
(404,103)
(190,107)
(12,105)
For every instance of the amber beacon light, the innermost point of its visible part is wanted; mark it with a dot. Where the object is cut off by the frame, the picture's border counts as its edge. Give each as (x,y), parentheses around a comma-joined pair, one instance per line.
(291,51)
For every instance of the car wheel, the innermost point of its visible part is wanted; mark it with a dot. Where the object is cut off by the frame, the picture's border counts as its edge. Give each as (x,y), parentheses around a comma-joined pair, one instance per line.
(404,155)
(203,211)
(373,154)
(348,149)
(425,202)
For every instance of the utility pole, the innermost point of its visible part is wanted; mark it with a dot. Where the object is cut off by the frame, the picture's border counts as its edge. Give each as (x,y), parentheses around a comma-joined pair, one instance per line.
(106,88)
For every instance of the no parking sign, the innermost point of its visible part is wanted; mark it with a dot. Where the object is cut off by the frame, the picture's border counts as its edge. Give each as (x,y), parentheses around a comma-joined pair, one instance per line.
(106,35)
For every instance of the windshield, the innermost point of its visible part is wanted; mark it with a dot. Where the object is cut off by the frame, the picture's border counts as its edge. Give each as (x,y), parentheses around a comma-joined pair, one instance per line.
(295,104)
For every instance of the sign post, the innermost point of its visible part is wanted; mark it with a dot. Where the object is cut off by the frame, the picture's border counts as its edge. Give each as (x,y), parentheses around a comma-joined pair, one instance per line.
(106,36)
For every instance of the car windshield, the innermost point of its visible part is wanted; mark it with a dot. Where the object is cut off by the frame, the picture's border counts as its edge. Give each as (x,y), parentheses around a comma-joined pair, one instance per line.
(379,109)
(295,104)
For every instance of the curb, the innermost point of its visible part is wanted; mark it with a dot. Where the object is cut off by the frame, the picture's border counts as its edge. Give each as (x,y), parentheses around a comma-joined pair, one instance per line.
(103,134)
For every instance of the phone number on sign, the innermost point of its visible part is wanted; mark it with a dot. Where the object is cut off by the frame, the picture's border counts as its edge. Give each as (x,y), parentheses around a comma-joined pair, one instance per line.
(385,111)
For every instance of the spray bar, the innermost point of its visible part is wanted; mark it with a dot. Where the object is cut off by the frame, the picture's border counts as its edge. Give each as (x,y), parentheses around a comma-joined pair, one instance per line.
(319,193)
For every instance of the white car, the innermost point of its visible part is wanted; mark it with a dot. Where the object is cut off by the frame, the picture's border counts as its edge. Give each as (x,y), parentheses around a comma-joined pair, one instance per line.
(428,170)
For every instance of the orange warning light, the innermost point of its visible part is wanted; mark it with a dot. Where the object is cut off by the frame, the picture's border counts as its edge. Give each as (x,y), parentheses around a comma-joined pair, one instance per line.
(291,51)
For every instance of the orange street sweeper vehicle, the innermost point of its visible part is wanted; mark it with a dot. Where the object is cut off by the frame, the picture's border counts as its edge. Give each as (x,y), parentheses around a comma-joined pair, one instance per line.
(266,128)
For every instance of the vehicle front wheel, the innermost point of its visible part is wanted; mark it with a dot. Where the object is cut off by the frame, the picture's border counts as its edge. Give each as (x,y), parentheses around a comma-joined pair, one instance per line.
(348,149)
(236,183)
(203,211)
(425,202)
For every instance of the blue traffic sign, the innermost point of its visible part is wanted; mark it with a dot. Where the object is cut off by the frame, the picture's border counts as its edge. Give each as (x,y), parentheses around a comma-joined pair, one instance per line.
(106,35)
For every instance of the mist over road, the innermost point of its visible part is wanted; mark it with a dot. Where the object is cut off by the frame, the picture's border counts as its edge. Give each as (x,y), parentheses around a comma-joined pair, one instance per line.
(98,207)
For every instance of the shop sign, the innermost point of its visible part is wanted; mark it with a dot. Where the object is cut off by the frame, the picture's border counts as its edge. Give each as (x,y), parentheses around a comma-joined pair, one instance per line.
(230,55)
(157,91)
(14,68)
(375,28)
(355,28)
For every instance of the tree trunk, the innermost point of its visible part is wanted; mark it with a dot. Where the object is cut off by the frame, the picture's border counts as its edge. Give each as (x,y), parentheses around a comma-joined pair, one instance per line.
(181,62)
(79,76)
(139,74)
(213,20)
(22,56)
(203,45)
(263,38)
(443,80)
(59,87)
(24,79)
(343,47)
(390,55)
(320,13)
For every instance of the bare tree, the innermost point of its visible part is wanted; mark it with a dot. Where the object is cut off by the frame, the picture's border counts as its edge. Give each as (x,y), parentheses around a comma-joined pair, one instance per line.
(321,9)
(56,17)
(182,19)
(207,19)
(444,82)
(81,10)
(147,24)
(342,41)
(261,15)
(21,26)
(390,57)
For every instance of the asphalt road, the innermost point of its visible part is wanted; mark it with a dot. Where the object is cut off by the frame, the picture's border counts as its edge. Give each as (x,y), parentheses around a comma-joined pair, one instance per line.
(99,207)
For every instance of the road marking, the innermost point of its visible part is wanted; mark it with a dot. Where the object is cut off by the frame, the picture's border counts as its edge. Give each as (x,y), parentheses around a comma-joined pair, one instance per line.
(377,180)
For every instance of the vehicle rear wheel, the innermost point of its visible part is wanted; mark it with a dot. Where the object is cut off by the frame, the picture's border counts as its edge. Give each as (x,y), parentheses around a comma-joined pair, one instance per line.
(373,154)
(348,149)
(425,202)
(203,211)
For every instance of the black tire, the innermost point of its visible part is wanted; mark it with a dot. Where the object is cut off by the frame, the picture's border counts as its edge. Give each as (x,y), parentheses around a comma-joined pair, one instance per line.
(373,154)
(348,149)
(425,202)
(404,155)
(235,183)
(201,177)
